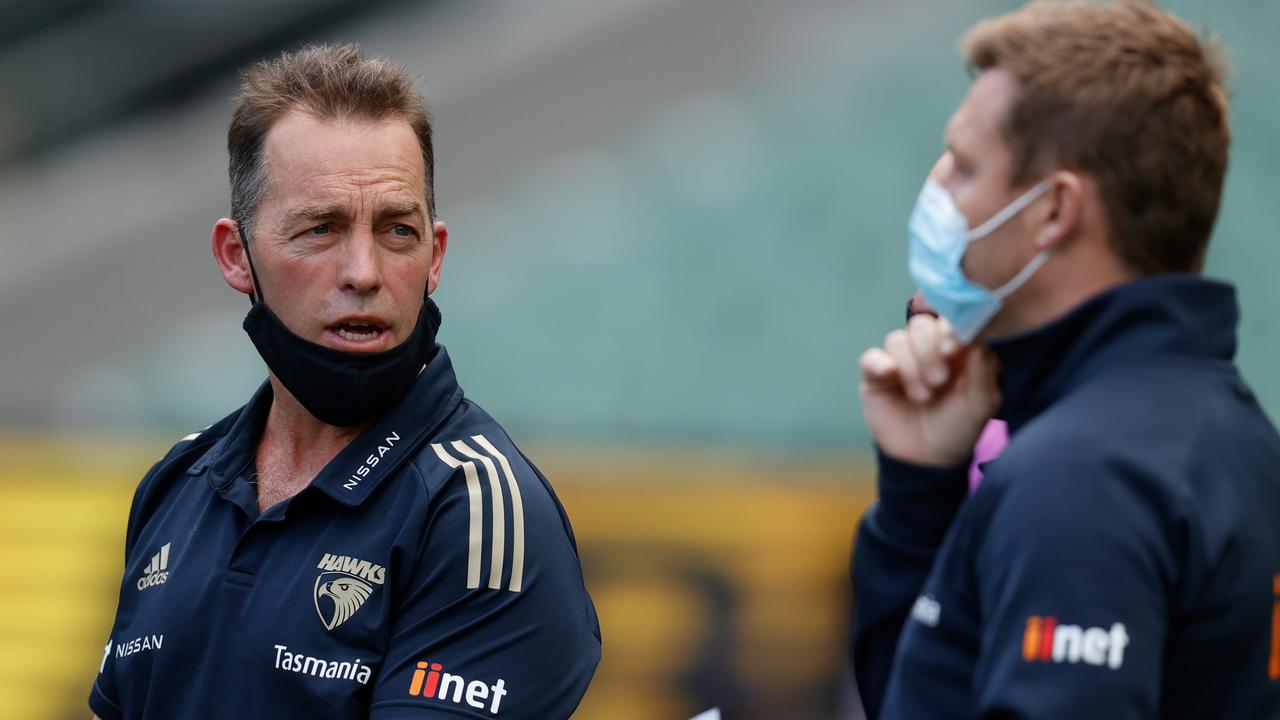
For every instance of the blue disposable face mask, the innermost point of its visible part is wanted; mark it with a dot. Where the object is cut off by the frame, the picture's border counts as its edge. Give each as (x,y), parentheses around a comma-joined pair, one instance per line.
(939,235)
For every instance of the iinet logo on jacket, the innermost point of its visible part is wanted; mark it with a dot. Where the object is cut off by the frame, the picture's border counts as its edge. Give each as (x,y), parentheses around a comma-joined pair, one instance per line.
(1047,641)
(430,681)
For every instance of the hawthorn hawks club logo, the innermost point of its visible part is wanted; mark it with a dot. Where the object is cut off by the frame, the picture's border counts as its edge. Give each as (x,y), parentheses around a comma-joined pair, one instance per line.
(344,586)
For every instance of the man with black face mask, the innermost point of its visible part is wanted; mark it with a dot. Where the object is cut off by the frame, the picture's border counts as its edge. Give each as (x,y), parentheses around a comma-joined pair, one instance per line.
(359,540)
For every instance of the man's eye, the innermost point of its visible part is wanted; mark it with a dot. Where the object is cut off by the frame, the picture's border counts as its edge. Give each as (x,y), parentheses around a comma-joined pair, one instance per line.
(320,230)
(404,231)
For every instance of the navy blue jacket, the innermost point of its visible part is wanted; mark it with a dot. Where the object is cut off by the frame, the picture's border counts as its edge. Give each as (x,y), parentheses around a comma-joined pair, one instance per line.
(1121,558)
(427,572)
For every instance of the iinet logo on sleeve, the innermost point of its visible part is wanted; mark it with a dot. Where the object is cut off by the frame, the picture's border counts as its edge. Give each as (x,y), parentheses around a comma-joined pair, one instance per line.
(1045,640)
(430,681)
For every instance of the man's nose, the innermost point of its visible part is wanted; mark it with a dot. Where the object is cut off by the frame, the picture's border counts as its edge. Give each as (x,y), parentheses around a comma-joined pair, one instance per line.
(941,171)
(361,270)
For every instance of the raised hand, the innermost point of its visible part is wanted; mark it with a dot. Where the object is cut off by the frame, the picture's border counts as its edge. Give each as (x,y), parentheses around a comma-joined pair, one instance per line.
(925,396)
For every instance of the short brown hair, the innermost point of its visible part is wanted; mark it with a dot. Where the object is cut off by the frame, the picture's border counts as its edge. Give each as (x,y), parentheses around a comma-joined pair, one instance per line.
(1129,94)
(329,82)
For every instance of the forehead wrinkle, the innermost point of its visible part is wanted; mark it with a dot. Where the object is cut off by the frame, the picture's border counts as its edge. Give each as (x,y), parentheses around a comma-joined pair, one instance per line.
(318,211)
(309,183)
(323,192)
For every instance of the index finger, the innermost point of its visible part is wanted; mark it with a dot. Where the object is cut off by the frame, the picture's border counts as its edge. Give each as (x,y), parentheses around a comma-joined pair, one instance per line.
(878,368)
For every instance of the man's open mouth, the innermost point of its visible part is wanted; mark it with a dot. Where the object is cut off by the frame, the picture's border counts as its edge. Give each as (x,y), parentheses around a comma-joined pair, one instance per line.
(357,331)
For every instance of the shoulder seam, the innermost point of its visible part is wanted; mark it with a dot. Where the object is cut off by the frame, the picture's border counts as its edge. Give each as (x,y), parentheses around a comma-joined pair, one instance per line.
(422,479)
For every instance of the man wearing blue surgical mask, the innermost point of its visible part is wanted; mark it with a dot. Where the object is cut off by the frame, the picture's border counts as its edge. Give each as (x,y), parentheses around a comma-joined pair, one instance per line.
(1120,558)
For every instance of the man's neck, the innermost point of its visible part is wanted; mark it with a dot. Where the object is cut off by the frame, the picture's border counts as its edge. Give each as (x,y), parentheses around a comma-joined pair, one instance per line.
(295,446)
(1058,288)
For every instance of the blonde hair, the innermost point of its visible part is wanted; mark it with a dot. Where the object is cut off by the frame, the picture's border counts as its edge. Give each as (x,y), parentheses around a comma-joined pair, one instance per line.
(1129,94)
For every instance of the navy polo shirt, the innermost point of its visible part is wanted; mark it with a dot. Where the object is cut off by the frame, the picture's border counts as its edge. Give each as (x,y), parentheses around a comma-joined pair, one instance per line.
(427,572)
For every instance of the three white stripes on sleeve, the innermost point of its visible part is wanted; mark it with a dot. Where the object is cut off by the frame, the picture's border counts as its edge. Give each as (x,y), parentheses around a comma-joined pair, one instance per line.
(466,458)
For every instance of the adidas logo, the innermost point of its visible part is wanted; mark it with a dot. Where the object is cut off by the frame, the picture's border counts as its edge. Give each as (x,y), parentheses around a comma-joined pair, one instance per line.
(157,571)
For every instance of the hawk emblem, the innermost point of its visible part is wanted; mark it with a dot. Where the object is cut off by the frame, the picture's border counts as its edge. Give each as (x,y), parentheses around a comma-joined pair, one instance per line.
(346,594)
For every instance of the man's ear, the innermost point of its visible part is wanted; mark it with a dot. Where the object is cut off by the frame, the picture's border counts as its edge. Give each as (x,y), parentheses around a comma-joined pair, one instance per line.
(439,243)
(229,252)
(1065,209)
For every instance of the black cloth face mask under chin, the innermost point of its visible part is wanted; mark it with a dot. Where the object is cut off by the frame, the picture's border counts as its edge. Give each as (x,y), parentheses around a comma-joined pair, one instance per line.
(340,388)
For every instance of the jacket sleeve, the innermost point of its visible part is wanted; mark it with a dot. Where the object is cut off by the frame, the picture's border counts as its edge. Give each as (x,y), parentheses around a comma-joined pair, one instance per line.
(491,628)
(894,551)
(1074,574)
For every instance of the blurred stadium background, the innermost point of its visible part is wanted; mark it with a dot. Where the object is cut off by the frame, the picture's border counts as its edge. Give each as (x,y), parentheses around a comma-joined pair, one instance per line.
(674,226)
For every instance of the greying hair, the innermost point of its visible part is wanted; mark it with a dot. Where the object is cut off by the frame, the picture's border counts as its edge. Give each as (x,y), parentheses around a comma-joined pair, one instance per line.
(329,82)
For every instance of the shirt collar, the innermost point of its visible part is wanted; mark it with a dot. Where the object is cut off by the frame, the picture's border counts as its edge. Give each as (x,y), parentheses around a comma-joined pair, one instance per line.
(1166,315)
(355,472)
